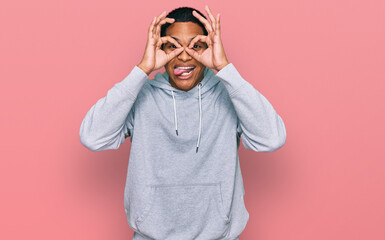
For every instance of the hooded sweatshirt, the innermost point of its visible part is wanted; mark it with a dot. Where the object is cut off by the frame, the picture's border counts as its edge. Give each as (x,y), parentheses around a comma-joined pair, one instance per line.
(184,178)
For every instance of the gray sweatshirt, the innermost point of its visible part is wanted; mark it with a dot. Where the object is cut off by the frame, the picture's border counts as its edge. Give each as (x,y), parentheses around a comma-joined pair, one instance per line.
(183,180)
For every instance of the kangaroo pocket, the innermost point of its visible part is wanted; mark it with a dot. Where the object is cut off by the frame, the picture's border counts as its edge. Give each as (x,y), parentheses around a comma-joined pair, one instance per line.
(184,212)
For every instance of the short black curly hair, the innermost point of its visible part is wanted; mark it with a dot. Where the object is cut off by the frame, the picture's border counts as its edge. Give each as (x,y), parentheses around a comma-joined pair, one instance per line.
(183,14)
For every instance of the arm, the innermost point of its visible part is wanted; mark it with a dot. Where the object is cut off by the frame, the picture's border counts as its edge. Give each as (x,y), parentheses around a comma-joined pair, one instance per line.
(260,127)
(108,122)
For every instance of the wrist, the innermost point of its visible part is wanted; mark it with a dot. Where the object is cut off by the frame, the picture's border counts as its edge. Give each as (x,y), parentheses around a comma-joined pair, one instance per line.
(222,66)
(144,69)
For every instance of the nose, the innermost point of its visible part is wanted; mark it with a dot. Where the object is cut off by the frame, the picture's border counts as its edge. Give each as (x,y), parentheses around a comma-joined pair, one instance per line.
(184,56)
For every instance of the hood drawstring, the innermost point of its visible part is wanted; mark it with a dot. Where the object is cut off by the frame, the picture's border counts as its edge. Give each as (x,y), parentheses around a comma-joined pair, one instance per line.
(200,115)
(175,119)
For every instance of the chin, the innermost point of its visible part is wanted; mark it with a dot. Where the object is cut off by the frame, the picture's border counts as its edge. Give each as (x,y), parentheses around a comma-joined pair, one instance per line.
(184,85)
(186,82)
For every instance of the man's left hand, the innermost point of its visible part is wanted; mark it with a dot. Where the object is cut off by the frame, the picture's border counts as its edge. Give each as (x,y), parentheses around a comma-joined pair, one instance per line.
(214,55)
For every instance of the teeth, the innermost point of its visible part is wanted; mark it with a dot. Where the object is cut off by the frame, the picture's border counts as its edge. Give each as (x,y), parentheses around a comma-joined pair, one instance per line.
(185,67)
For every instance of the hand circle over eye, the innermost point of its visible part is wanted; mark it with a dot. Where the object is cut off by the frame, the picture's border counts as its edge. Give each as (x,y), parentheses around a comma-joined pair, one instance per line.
(214,55)
(154,57)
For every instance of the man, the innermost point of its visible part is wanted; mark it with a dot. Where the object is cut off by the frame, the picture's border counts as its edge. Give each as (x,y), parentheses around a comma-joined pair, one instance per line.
(184,184)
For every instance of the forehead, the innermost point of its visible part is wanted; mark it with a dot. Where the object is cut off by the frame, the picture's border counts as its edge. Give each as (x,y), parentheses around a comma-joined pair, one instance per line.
(184,30)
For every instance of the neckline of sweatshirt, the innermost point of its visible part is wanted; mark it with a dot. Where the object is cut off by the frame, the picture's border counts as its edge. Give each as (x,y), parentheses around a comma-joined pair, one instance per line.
(161,80)
(134,82)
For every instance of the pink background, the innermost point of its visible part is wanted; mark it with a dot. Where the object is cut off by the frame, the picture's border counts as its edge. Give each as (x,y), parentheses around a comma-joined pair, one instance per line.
(320,63)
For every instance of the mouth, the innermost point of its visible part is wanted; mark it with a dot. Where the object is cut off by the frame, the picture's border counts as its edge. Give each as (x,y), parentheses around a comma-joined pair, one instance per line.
(184,72)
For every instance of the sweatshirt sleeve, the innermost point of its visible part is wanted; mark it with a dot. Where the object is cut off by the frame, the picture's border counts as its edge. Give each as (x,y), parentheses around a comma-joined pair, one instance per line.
(110,120)
(259,126)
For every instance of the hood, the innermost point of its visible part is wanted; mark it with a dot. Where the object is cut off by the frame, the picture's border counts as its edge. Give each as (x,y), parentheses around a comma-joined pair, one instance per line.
(209,80)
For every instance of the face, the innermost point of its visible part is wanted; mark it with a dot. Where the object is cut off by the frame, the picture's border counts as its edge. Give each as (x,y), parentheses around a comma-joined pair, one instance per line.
(183,33)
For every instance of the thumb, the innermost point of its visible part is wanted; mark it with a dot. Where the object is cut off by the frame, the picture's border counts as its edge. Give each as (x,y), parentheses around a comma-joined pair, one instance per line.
(174,53)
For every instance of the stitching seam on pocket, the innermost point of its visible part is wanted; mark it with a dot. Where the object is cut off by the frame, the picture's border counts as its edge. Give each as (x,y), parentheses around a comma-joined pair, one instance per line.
(220,204)
(148,207)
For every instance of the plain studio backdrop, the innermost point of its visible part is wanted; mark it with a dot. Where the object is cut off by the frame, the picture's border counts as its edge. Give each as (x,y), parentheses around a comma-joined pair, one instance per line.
(319,63)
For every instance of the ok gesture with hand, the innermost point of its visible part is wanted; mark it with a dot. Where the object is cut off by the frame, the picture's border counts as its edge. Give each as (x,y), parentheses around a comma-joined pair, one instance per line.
(214,55)
(154,57)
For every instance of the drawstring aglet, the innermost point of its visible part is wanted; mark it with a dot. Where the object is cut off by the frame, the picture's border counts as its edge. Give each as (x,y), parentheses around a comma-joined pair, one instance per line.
(176,132)
(196,150)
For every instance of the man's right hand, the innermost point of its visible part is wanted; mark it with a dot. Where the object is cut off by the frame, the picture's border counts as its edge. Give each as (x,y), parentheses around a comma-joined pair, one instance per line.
(154,57)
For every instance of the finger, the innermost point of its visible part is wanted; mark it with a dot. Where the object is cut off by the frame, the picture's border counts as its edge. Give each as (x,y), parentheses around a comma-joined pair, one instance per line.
(154,27)
(197,38)
(213,22)
(204,21)
(150,29)
(193,53)
(166,39)
(158,18)
(163,21)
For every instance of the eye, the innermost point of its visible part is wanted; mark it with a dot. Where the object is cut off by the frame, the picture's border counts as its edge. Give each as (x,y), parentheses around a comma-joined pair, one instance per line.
(171,46)
(196,46)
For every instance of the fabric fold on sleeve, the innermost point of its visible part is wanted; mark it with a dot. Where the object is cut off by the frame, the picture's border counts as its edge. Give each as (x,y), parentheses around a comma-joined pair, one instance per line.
(108,122)
(259,126)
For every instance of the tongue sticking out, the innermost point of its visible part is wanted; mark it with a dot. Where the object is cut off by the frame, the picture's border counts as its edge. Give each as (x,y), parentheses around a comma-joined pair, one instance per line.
(178,71)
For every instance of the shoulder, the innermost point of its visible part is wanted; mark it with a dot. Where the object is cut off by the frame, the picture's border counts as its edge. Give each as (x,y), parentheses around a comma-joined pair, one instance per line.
(221,90)
(146,89)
